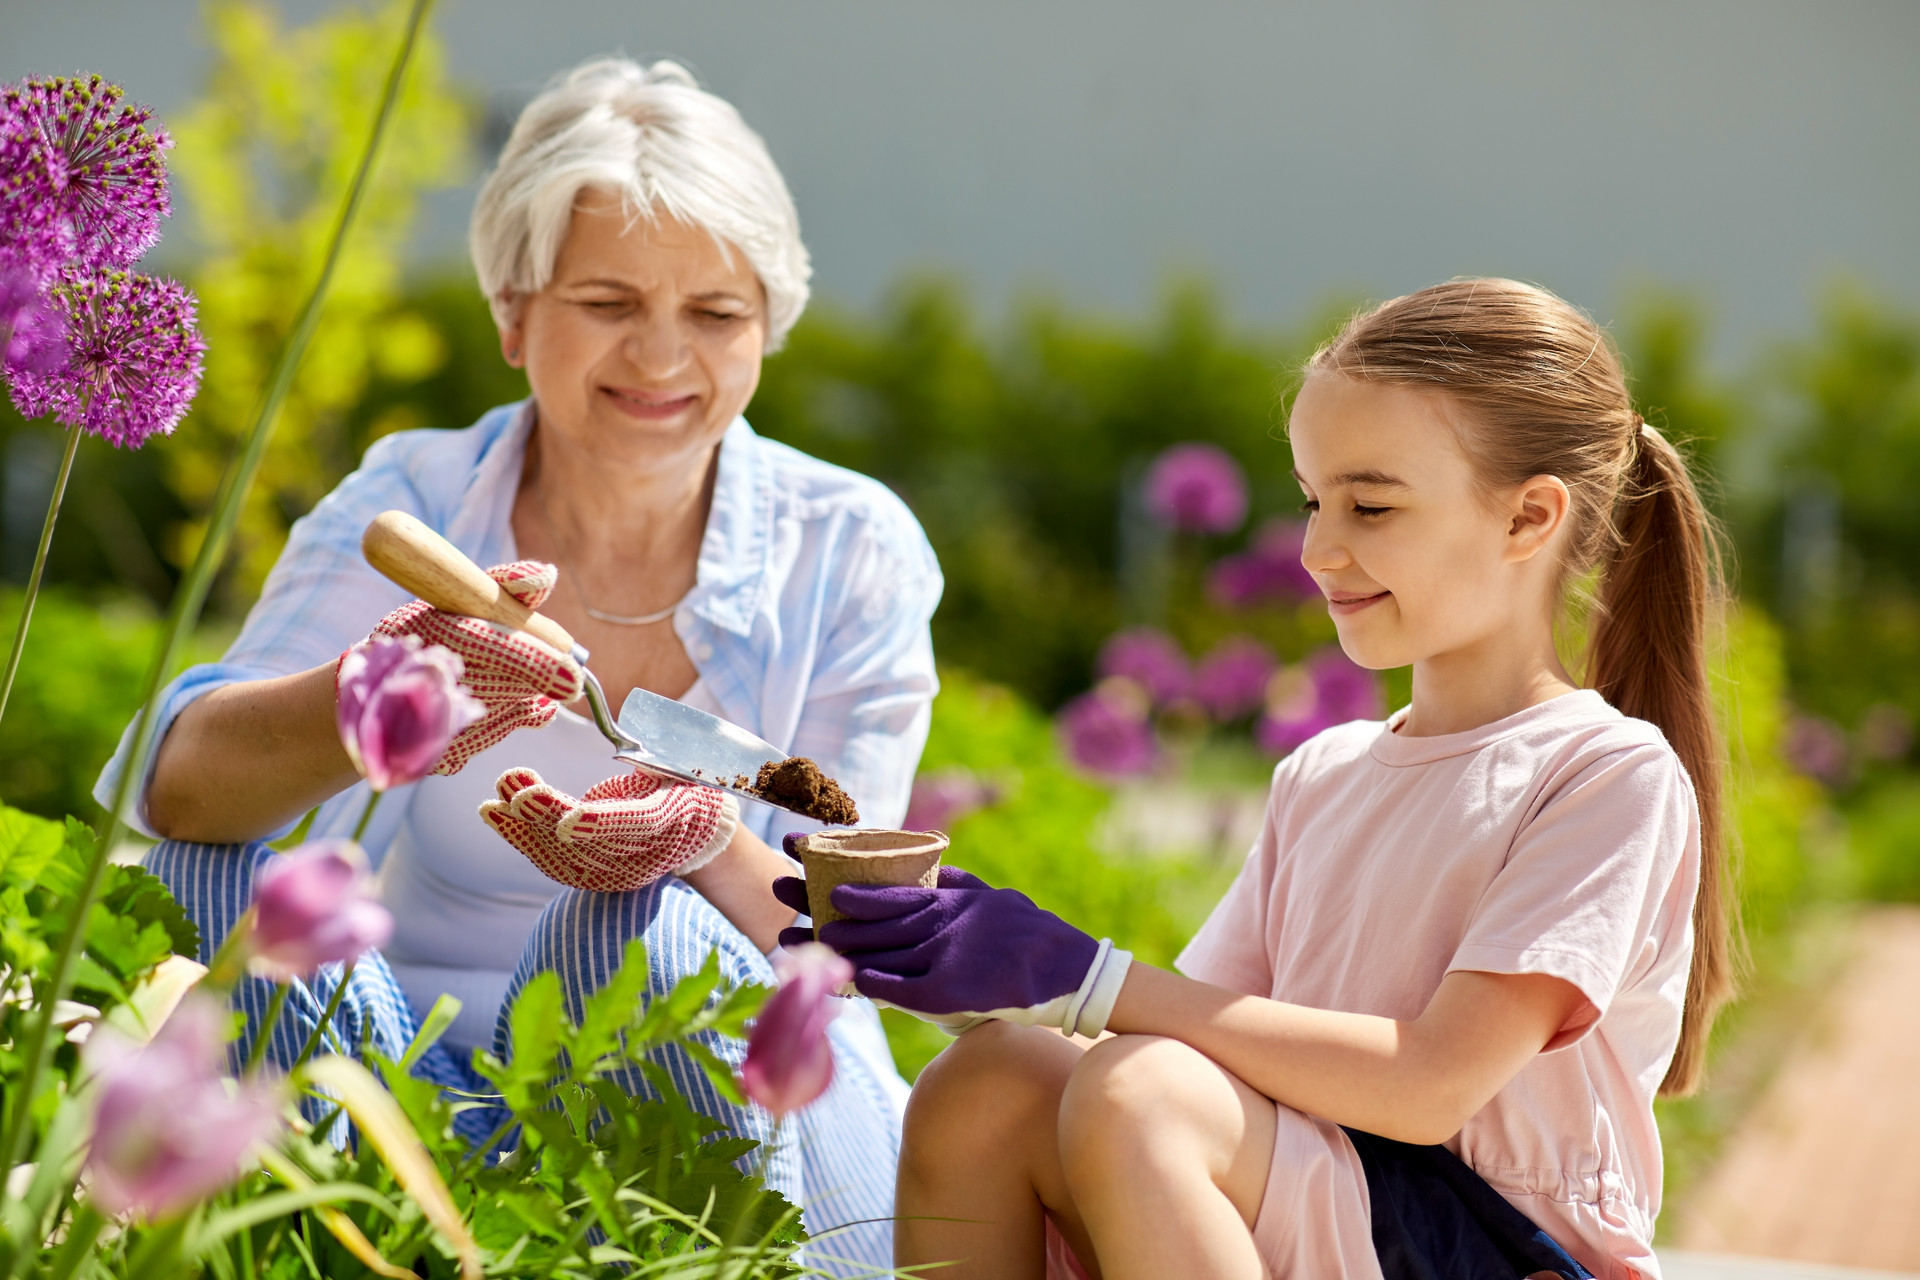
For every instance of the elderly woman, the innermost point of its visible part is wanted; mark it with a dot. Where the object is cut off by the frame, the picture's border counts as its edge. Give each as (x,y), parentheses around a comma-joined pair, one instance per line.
(641,254)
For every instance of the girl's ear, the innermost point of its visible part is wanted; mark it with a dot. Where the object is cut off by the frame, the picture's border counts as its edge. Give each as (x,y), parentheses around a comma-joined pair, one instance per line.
(1538,512)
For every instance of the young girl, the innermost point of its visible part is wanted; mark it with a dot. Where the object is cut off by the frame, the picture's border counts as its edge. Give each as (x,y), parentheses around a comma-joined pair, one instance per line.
(1422,1034)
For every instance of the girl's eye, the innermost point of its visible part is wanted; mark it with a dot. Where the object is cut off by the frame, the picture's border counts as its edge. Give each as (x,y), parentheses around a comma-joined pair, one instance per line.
(1309,506)
(1366,512)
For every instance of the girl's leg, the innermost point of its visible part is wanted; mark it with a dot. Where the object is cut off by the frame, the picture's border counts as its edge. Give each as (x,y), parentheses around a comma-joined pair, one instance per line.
(834,1158)
(1166,1155)
(980,1164)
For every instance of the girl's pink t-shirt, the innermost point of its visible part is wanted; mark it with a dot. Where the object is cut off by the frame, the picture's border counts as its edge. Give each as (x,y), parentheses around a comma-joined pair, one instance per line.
(1563,840)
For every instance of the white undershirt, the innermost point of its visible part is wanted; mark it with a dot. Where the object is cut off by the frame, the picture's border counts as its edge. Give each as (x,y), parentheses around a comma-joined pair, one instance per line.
(464,901)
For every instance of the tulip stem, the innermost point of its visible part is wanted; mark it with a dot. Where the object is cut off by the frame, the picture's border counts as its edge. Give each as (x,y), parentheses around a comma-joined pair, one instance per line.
(264,1032)
(366,815)
(185,610)
(39,565)
(333,1007)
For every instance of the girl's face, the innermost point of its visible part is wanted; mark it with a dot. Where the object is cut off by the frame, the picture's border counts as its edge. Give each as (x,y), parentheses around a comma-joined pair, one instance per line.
(646,344)
(1415,559)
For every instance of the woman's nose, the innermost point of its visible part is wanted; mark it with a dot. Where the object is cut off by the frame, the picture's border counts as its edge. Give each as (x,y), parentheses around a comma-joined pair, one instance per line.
(656,345)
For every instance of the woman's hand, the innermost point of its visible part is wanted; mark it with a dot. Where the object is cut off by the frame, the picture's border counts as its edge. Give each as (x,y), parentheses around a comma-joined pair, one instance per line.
(969,949)
(521,682)
(624,834)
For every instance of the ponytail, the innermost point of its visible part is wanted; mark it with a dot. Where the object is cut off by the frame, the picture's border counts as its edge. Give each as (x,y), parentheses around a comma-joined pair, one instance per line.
(1544,393)
(1647,656)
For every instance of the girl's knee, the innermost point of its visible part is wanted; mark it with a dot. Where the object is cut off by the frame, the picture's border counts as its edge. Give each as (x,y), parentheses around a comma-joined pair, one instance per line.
(1122,1085)
(994,1079)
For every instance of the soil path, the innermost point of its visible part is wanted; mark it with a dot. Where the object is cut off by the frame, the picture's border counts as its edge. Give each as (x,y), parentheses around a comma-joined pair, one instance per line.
(1826,1167)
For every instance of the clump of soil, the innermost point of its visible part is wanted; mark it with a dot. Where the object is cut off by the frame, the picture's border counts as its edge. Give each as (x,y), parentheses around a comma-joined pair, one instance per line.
(796,783)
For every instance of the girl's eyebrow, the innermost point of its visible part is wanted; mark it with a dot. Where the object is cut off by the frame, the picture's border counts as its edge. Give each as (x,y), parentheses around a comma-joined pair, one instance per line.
(1374,479)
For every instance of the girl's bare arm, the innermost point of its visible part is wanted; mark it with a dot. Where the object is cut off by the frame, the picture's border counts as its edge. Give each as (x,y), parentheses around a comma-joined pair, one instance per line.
(1414,1081)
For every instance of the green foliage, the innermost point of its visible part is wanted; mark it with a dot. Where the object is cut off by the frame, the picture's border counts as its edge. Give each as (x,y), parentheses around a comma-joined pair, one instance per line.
(79,684)
(1883,838)
(1038,838)
(264,157)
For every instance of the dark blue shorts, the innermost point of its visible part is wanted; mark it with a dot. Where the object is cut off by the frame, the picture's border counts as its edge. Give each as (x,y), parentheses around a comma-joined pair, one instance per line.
(1434,1218)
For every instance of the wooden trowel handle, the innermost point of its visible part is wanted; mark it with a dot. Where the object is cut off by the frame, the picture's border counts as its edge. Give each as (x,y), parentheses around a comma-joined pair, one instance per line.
(419,560)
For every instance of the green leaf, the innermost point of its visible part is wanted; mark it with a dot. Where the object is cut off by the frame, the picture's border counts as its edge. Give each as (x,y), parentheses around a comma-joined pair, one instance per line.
(138,894)
(445,1009)
(612,1009)
(718,1071)
(27,845)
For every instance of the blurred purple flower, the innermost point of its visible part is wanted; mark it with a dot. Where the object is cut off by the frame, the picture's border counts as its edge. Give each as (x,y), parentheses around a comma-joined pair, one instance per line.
(312,906)
(1150,658)
(1269,571)
(1817,747)
(789,1060)
(1326,690)
(944,797)
(1197,488)
(1103,735)
(1231,681)
(82,178)
(399,706)
(134,361)
(168,1130)
(33,337)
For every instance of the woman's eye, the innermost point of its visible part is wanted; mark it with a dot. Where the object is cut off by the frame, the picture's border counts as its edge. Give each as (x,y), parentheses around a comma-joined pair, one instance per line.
(720,317)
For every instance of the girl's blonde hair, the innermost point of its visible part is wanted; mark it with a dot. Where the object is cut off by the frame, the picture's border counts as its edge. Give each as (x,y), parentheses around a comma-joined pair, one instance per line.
(1544,393)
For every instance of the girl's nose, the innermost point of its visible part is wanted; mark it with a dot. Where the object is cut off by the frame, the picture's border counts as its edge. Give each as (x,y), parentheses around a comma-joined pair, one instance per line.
(1321,553)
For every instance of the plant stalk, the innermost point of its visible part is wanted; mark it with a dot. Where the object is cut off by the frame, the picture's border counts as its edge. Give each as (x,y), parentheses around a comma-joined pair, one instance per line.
(326,1016)
(191,598)
(39,566)
(264,1032)
(366,816)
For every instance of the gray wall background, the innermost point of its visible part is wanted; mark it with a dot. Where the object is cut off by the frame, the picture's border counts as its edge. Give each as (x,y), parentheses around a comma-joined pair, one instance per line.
(1746,151)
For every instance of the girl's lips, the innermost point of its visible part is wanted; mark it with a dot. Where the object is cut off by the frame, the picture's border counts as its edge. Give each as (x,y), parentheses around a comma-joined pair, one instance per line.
(1342,605)
(647,408)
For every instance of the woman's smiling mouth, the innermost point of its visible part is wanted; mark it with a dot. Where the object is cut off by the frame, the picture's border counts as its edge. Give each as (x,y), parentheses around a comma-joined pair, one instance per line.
(652,408)
(1340,603)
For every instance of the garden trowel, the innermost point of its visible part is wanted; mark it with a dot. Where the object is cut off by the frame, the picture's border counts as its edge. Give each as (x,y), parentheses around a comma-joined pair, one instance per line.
(657,734)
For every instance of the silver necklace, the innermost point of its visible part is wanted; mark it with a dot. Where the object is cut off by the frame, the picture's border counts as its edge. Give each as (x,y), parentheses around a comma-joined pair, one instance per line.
(626,620)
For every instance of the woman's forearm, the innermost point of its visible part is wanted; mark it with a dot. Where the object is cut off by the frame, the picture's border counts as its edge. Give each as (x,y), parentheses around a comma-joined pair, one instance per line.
(1414,1080)
(248,758)
(738,884)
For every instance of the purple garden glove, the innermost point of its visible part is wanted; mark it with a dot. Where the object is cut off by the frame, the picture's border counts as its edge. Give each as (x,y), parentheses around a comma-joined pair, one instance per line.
(966,951)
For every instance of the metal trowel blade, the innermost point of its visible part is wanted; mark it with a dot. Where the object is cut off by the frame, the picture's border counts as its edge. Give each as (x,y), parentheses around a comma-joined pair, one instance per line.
(687,744)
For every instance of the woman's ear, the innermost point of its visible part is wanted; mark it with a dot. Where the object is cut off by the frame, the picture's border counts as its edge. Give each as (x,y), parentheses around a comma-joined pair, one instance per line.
(511,337)
(1538,512)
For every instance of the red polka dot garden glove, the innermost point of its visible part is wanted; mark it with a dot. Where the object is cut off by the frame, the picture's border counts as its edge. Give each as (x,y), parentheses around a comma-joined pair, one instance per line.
(622,835)
(520,681)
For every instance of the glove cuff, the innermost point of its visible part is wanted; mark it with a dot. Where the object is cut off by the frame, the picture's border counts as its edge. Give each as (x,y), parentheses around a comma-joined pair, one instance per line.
(1092,1004)
(725,823)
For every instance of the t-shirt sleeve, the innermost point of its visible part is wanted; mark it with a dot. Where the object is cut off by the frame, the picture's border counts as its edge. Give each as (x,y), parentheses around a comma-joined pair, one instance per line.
(1231,948)
(1588,882)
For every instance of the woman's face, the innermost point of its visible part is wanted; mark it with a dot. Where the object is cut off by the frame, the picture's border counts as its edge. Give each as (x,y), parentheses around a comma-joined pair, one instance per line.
(1416,560)
(646,344)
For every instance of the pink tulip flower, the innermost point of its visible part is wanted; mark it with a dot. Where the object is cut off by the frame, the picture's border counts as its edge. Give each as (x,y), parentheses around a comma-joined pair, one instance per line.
(789,1059)
(313,906)
(169,1130)
(400,704)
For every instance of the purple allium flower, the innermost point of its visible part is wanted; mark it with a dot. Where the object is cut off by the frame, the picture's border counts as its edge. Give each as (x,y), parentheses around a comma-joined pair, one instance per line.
(946,796)
(33,337)
(1198,488)
(400,703)
(168,1130)
(1150,658)
(1268,571)
(82,177)
(1102,734)
(1817,747)
(312,906)
(1326,690)
(789,1059)
(1231,681)
(134,361)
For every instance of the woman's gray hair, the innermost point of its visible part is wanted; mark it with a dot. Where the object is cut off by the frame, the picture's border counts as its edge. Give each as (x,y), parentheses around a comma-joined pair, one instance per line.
(665,146)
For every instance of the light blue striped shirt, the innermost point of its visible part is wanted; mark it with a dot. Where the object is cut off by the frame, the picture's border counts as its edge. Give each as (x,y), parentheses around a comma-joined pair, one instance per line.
(808,620)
